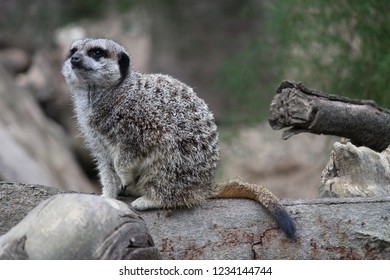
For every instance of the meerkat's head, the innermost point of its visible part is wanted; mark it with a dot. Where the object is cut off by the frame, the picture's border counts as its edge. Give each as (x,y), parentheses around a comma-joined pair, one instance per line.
(100,63)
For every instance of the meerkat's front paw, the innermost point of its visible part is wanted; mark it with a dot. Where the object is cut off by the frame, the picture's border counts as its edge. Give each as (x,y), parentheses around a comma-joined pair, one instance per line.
(122,190)
(144,203)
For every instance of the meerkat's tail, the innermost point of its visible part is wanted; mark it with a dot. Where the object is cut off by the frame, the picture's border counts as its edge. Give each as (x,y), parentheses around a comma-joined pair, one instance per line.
(238,189)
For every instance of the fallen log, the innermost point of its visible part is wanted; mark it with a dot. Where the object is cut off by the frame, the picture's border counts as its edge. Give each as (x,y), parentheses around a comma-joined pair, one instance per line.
(348,228)
(305,110)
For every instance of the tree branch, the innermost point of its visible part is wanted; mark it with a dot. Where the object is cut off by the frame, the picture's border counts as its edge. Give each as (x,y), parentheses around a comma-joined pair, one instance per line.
(306,110)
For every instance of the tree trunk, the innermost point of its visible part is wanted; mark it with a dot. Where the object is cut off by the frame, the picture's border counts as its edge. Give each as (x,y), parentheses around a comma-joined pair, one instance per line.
(305,110)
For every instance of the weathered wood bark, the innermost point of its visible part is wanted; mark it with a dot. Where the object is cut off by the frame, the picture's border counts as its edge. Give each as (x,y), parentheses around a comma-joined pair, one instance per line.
(79,226)
(305,110)
(355,228)
(356,171)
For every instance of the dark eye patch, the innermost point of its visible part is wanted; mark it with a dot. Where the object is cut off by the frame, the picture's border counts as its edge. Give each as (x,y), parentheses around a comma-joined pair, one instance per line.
(72,52)
(97,53)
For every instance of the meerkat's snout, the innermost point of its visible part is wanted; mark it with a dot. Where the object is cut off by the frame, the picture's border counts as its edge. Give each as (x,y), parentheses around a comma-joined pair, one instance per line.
(76,60)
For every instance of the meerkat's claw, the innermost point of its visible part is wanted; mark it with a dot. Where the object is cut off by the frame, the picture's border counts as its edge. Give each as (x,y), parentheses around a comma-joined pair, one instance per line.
(122,190)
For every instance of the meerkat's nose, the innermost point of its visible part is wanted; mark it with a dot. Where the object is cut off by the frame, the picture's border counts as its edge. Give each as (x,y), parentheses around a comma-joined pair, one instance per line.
(75,59)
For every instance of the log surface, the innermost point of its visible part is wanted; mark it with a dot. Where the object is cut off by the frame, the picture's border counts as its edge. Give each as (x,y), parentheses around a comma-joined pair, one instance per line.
(337,228)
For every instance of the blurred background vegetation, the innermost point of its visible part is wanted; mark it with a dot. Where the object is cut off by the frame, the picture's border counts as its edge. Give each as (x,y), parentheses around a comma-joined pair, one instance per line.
(340,47)
(236,52)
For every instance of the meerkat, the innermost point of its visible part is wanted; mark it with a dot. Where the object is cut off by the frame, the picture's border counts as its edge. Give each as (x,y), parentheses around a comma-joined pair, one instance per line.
(150,134)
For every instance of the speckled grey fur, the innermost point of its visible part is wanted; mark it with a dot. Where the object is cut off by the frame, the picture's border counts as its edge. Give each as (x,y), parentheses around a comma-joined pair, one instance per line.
(150,134)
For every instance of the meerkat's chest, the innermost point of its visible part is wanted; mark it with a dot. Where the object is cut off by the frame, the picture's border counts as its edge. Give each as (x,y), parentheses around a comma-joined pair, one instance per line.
(83,111)
(97,142)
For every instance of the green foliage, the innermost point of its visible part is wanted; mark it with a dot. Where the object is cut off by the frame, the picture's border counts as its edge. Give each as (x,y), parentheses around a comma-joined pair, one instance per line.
(339,47)
(336,46)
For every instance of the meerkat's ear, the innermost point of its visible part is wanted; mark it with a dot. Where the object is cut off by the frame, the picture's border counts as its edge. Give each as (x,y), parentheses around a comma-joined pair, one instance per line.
(124,64)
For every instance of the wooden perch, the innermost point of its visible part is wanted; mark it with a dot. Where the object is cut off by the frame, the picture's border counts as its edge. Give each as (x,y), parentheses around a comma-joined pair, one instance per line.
(306,110)
(354,228)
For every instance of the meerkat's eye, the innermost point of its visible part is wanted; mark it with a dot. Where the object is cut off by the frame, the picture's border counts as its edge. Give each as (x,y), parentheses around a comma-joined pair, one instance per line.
(97,53)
